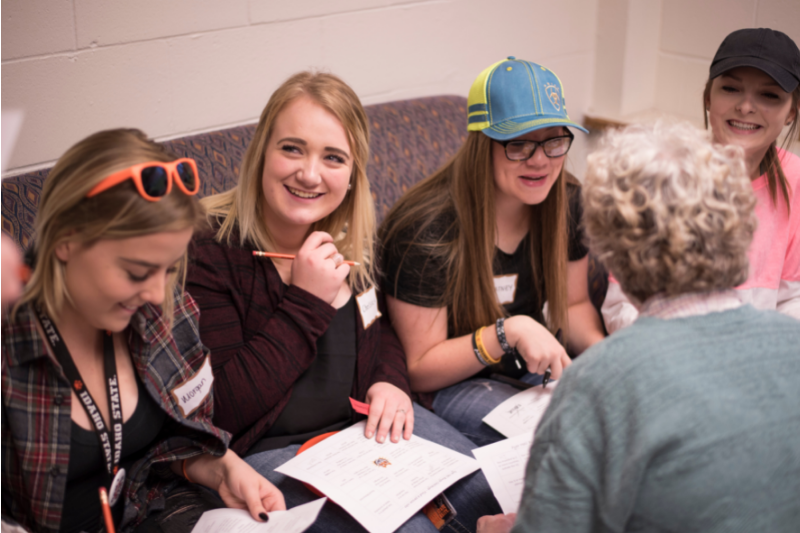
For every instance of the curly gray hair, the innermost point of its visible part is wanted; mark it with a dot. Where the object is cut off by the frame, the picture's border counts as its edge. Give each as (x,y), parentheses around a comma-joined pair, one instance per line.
(667,211)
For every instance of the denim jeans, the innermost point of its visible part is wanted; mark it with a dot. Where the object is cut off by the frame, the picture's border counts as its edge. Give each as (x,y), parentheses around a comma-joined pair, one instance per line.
(464,405)
(471,496)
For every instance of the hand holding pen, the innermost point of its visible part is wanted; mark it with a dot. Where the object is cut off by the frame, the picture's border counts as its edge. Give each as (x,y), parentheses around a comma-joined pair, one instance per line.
(537,347)
(547,373)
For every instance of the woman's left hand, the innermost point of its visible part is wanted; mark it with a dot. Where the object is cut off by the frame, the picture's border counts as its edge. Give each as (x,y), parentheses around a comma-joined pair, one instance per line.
(389,407)
(239,486)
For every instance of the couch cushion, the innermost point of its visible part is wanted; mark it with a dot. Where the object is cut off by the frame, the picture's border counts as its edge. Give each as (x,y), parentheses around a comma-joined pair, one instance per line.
(410,140)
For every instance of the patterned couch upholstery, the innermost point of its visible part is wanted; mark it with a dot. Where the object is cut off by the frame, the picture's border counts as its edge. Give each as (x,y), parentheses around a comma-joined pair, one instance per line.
(409,140)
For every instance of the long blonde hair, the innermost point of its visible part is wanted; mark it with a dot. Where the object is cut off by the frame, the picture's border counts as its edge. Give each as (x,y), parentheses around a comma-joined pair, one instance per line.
(352,224)
(65,213)
(770,164)
(464,187)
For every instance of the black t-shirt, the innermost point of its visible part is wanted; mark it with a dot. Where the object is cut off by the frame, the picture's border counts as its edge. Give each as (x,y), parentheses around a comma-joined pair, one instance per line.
(87,471)
(422,278)
(320,400)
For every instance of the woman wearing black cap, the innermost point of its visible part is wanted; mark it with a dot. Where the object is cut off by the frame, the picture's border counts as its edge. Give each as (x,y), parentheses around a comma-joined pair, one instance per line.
(752,94)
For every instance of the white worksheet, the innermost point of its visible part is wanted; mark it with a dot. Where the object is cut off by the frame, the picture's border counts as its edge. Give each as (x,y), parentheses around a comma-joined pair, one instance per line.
(521,413)
(295,520)
(380,485)
(503,463)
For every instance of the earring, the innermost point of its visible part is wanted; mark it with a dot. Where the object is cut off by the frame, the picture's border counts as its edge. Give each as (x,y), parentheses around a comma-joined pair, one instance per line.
(349,186)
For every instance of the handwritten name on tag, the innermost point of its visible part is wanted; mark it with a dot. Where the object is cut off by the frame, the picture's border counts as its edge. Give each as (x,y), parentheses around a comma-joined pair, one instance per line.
(506,288)
(191,393)
(368,306)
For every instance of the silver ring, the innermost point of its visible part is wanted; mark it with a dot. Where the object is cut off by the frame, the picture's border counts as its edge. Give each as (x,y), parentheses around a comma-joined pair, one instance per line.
(401,410)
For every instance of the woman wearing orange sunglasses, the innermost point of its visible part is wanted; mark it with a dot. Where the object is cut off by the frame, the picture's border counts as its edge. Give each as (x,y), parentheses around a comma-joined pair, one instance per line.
(105,380)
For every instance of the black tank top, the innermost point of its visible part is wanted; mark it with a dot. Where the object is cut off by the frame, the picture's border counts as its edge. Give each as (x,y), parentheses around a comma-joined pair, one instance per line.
(320,400)
(87,471)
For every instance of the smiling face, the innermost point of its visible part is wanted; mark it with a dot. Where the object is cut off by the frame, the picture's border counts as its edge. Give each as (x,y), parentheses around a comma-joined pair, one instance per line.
(110,279)
(528,181)
(748,108)
(307,167)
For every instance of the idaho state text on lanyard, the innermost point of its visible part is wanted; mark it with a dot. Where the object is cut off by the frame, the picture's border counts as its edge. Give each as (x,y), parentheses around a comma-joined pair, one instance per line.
(112,447)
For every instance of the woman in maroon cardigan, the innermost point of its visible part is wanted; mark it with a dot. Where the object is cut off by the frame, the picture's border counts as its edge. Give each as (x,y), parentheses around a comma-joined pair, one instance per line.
(292,340)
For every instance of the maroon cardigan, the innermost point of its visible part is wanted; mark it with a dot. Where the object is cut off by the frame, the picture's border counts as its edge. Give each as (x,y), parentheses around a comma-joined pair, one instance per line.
(263,336)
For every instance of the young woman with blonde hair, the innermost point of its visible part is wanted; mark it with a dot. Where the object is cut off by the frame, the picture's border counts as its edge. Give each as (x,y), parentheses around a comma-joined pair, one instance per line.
(101,351)
(752,94)
(471,253)
(293,340)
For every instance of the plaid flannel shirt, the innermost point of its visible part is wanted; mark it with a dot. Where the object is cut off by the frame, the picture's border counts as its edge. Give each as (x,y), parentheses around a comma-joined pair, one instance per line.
(37,416)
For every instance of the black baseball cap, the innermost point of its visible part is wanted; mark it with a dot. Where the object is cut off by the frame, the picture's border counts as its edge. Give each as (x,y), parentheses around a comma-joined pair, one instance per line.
(770,51)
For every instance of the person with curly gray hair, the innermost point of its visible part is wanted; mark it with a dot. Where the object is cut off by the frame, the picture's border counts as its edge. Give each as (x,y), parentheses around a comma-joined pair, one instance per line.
(685,420)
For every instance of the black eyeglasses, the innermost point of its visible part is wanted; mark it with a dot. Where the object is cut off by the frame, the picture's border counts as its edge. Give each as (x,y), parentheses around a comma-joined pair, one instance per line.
(517,150)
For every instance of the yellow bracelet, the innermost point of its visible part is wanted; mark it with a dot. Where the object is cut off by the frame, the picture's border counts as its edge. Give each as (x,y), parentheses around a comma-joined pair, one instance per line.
(482,348)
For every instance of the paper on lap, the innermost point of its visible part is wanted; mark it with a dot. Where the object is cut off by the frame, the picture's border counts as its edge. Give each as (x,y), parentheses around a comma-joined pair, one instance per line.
(295,520)
(522,412)
(503,463)
(380,485)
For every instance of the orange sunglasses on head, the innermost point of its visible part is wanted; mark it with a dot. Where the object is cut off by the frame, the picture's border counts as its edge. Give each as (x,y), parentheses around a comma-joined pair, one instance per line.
(154,179)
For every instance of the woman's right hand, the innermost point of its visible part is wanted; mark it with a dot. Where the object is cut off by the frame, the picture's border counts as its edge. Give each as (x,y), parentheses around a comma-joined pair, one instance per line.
(536,345)
(319,268)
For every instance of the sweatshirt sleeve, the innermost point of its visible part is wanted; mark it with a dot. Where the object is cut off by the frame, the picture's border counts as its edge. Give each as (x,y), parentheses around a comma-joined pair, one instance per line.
(789,288)
(262,334)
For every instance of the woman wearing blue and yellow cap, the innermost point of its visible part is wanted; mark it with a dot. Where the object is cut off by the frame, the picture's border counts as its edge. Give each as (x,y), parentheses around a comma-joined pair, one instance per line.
(471,254)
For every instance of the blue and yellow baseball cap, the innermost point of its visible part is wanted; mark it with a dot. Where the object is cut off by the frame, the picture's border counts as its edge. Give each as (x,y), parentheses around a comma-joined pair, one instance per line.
(513,97)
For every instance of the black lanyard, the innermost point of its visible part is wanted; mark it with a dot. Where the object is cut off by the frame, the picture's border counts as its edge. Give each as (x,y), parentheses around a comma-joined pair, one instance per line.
(112,447)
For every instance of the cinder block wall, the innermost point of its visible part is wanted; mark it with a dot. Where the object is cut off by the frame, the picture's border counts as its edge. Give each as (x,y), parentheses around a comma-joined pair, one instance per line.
(691,31)
(174,67)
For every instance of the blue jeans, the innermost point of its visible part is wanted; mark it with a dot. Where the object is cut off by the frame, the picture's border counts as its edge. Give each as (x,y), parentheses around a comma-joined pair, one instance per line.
(471,496)
(464,405)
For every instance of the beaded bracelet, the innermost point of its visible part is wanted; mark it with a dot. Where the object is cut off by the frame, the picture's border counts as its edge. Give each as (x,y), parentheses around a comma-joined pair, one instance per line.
(482,348)
(501,335)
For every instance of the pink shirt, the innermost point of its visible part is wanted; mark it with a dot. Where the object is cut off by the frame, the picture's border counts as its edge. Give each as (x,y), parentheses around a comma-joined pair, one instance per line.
(774,280)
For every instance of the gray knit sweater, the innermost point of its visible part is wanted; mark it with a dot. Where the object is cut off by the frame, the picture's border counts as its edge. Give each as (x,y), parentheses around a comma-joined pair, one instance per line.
(689,424)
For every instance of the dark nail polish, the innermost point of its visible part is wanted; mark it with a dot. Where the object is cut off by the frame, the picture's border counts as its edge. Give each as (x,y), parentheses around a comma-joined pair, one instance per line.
(263,516)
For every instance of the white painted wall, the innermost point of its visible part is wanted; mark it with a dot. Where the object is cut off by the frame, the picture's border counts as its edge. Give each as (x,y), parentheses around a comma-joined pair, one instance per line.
(174,67)
(652,56)
(691,32)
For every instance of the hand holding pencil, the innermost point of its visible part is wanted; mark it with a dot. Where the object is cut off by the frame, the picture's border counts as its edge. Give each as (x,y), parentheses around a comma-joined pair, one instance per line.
(319,268)
(292,256)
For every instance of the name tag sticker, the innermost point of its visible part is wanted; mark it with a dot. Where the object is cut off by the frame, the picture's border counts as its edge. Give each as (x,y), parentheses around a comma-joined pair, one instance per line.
(368,306)
(191,393)
(506,288)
